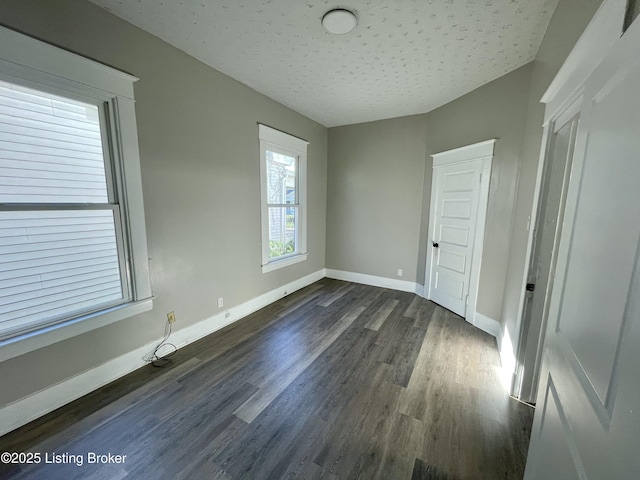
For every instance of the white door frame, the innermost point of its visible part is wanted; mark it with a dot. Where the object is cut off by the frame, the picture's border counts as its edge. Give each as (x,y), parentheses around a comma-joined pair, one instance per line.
(483,152)
(526,372)
(562,99)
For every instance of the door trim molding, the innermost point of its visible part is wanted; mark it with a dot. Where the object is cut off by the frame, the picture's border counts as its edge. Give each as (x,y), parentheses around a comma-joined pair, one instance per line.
(464,154)
(563,99)
(484,152)
(571,108)
(590,49)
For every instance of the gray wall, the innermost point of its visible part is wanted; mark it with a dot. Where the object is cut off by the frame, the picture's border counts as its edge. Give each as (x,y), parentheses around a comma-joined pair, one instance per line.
(200,171)
(375,196)
(567,24)
(379,184)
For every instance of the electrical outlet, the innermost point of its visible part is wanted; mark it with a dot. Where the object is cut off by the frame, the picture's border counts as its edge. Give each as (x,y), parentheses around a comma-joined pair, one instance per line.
(171,317)
(399,272)
(220,302)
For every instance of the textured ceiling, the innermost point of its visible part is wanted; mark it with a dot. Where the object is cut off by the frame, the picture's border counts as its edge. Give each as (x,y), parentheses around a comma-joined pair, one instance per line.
(404,57)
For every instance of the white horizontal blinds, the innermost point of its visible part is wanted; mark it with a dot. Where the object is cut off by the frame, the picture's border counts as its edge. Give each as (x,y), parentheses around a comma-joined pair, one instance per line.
(50,149)
(59,240)
(56,264)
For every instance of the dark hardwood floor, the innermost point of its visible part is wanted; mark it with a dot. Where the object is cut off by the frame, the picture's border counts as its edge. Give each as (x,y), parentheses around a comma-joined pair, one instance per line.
(337,380)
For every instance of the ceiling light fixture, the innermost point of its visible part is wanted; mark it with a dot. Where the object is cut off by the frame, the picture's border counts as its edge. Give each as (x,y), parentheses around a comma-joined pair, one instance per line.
(339,21)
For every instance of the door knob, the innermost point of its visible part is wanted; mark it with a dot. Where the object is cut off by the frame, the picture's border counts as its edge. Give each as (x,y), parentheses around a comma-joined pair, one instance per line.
(435,244)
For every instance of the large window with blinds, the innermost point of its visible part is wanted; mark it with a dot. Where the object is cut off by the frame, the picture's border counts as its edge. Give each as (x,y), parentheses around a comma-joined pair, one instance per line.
(62,248)
(73,251)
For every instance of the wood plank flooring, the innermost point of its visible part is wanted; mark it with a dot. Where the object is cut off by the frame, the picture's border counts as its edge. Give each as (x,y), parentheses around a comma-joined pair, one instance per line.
(336,381)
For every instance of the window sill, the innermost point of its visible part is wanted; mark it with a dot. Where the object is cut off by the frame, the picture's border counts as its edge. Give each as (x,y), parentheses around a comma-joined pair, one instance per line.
(285,262)
(21,344)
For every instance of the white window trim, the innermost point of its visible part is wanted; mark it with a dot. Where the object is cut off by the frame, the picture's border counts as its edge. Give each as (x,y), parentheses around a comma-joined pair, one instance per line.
(270,137)
(32,63)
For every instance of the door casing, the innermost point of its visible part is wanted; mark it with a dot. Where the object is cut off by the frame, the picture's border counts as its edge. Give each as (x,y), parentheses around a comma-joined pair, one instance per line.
(534,319)
(562,100)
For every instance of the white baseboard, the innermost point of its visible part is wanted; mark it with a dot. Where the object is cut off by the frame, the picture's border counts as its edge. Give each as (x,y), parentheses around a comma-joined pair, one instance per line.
(507,359)
(420,290)
(29,408)
(486,324)
(372,280)
(216,322)
(499,342)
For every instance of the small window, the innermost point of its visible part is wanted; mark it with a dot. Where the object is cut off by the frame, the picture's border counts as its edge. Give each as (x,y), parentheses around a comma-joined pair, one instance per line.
(73,253)
(283,187)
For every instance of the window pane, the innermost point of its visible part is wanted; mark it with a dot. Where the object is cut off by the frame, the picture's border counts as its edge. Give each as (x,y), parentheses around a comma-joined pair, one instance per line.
(283,222)
(56,264)
(281,178)
(50,149)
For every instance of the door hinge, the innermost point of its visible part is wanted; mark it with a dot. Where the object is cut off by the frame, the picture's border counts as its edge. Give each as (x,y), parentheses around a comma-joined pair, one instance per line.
(480,178)
(467,300)
(530,287)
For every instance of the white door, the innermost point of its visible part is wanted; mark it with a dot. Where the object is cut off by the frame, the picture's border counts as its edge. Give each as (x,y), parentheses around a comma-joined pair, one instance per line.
(456,207)
(587,420)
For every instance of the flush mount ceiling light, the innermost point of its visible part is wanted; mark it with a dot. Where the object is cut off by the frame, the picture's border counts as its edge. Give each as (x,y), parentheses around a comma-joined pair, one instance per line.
(339,21)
